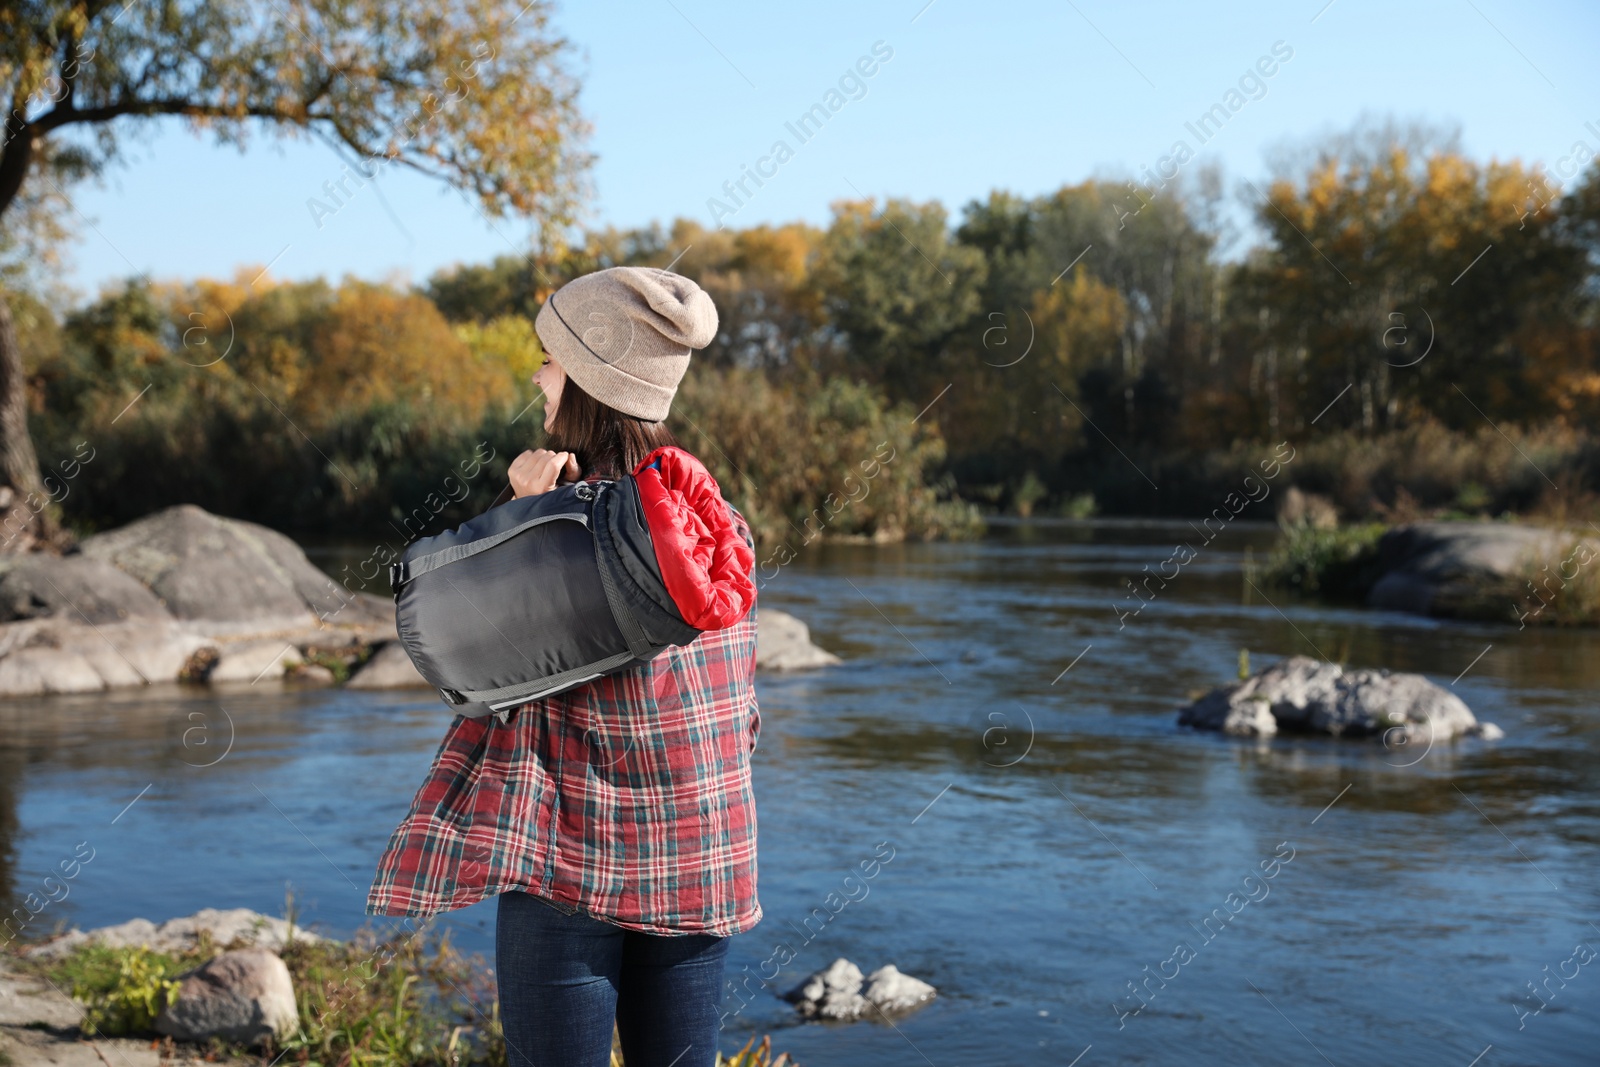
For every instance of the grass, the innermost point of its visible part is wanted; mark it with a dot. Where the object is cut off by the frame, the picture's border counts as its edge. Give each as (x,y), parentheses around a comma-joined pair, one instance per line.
(1340,563)
(1559,592)
(404,1001)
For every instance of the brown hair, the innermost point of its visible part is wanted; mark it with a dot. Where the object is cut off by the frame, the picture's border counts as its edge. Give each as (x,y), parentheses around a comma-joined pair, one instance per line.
(606,441)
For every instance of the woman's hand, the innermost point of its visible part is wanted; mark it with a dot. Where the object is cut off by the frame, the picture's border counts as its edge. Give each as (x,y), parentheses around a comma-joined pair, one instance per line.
(541,470)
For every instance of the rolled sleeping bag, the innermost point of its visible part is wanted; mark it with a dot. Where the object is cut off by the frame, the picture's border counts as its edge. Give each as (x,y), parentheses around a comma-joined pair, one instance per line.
(545,593)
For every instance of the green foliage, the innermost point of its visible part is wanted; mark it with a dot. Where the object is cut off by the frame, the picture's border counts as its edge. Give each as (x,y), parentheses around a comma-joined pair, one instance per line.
(1078,506)
(1029,493)
(834,460)
(475,92)
(123,989)
(1066,351)
(342,661)
(301,406)
(1340,562)
(401,1001)
(1244,664)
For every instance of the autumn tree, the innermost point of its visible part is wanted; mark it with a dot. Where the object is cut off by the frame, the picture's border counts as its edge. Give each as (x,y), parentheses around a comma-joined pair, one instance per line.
(1413,283)
(476,93)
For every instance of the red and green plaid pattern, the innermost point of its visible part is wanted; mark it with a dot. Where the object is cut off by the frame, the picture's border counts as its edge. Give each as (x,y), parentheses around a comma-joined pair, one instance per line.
(629,796)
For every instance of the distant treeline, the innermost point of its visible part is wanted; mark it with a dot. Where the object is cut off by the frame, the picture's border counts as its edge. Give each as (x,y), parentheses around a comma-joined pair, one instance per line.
(1420,326)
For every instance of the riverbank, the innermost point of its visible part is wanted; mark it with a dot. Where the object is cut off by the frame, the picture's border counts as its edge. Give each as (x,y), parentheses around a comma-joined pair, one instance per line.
(119,995)
(1481,571)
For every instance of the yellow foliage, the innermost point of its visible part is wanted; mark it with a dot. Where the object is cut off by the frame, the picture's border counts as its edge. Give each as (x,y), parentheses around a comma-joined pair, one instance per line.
(508,341)
(1078,321)
(379,347)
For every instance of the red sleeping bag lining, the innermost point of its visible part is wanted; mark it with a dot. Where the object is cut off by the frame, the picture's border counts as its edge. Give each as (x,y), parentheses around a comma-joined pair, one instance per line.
(704,562)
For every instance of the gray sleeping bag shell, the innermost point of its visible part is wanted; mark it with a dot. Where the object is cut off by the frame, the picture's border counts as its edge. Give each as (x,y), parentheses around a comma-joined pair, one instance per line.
(534,597)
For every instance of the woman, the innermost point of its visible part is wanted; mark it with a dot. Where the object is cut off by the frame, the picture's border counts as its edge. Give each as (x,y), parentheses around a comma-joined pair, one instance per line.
(614,822)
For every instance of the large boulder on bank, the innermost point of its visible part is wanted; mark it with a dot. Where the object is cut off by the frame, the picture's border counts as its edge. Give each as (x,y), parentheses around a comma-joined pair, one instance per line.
(1303,695)
(1477,570)
(245,996)
(82,588)
(181,595)
(58,655)
(783,643)
(205,567)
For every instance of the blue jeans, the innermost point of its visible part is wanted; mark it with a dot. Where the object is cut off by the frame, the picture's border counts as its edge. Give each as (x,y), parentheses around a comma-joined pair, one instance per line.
(565,977)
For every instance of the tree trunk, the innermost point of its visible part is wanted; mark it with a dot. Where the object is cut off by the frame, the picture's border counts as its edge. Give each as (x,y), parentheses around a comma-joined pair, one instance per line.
(27,512)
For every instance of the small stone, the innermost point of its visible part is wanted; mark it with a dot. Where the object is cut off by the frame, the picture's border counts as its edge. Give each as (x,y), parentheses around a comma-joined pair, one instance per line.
(245,996)
(253,661)
(831,993)
(311,674)
(198,667)
(894,992)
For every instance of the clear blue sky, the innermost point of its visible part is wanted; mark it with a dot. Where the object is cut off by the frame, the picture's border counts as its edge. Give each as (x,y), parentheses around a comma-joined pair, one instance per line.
(1022,96)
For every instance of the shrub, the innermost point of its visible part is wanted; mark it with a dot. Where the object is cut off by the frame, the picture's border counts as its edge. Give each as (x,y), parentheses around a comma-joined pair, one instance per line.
(123,989)
(831,459)
(1340,562)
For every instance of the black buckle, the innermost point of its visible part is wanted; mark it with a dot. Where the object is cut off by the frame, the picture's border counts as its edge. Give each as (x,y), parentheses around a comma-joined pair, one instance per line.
(397,575)
(452,697)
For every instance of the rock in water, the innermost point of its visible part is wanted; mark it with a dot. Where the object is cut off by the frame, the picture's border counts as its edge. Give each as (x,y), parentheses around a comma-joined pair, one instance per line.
(894,992)
(836,992)
(389,668)
(1303,695)
(245,996)
(832,993)
(783,643)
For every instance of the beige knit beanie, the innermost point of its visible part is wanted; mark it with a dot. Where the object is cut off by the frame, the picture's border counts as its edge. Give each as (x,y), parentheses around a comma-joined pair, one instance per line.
(625,334)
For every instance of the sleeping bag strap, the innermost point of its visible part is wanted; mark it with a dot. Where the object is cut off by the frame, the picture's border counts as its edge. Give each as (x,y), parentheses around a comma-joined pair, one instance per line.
(632,632)
(404,571)
(522,692)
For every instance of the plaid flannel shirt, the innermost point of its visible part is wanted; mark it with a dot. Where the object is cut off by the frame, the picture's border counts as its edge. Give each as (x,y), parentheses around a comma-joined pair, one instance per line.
(628,797)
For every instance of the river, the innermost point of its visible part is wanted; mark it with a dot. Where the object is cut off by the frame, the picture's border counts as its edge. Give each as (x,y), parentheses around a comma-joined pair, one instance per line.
(1007,725)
